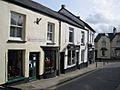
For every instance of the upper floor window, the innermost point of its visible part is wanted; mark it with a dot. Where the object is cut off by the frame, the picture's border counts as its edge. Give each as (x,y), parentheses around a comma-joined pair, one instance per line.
(17,26)
(103,43)
(71,35)
(118,43)
(82,37)
(50,32)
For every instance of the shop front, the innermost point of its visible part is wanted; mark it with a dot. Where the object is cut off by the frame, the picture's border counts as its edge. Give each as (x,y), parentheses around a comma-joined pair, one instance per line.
(15,65)
(50,61)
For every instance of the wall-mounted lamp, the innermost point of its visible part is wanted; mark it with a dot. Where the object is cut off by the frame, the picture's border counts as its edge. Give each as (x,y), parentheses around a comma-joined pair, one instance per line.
(37,20)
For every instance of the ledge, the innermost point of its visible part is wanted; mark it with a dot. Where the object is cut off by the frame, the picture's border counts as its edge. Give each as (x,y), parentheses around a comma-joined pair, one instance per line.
(15,41)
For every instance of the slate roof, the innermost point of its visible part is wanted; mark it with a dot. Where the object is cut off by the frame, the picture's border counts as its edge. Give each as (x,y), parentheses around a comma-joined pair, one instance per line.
(99,36)
(109,35)
(88,26)
(71,16)
(29,4)
(76,19)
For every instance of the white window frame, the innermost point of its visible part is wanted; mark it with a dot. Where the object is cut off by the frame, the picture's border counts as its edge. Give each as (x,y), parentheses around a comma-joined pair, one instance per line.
(52,26)
(72,59)
(82,37)
(15,37)
(71,30)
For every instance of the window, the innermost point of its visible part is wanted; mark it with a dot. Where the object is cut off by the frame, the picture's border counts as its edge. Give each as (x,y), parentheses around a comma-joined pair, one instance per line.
(82,37)
(71,35)
(103,43)
(50,32)
(15,59)
(117,53)
(17,26)
(50,61)
(82,55)
(118,43)
(71,57)
(103,53)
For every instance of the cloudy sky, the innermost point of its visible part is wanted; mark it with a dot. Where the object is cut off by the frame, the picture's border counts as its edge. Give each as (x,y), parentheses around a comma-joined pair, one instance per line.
(102,15)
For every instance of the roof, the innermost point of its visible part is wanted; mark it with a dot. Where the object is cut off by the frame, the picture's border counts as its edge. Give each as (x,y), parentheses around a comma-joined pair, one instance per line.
(99,36)
(109,35)
(29,4)
(88,26)
(71,16)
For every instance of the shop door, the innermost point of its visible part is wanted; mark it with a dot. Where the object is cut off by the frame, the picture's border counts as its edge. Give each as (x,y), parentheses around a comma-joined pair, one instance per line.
(77,61)
(33,65)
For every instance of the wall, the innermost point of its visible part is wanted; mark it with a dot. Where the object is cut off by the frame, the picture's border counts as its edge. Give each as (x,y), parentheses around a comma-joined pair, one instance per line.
(35,36)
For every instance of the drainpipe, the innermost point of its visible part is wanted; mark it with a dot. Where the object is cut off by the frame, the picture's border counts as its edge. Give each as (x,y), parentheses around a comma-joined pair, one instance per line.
(59,57)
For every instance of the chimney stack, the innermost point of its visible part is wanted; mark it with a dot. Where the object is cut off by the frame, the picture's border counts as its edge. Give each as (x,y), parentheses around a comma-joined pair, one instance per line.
(62,6)
(114,30)
(78,17)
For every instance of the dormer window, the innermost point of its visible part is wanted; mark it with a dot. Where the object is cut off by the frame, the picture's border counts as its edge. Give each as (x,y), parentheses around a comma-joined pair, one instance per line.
(71,35)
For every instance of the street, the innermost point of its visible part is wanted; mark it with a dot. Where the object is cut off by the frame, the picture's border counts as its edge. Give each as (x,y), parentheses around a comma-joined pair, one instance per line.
(107,78)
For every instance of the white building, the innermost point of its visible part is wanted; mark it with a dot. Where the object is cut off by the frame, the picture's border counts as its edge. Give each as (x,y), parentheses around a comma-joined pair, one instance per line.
(73,46)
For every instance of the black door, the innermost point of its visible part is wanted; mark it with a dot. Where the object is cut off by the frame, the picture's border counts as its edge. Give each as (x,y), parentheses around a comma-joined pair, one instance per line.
(62,54)
(33,65)
(77,59)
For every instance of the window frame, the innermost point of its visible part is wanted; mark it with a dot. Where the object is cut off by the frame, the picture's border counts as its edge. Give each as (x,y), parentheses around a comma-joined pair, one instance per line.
(50,32)
(82,37)
(71,31)
(71,58)
(17,27)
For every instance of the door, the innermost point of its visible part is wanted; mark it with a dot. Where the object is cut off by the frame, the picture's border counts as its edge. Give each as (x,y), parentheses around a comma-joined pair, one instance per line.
(77,59)
(33,65)
(62,54)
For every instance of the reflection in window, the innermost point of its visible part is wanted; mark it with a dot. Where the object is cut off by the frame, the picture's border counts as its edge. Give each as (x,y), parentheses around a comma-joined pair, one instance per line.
(15,58)
(17,25)
(50,58)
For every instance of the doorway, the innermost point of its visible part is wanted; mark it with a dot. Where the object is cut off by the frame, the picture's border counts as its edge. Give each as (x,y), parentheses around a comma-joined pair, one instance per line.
(33,65)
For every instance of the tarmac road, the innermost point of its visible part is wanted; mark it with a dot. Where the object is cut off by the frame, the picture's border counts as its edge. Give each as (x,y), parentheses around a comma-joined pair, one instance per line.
(107,78)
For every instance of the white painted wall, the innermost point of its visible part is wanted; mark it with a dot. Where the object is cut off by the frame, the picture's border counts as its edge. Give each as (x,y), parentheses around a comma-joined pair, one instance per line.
(35,36)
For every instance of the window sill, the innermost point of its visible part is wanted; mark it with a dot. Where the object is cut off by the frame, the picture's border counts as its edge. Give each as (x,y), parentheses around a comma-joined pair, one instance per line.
(16,41)
(82,44)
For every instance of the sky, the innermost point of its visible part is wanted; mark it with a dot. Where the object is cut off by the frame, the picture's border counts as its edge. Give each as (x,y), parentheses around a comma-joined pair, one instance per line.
(101,15)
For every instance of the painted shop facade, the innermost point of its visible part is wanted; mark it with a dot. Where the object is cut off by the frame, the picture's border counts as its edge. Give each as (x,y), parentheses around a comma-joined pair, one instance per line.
(37,42)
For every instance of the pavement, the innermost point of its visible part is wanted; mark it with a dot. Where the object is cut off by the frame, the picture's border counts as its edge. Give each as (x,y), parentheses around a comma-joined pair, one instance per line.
(43,84)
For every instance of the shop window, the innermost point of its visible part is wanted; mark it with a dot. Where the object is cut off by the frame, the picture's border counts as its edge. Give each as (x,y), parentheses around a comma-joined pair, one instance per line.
(15,59)
(17,26)
(50,60)
(71,57)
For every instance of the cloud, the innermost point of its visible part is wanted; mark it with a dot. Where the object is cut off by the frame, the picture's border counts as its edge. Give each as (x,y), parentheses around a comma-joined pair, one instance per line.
(97,18)
(105,14)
